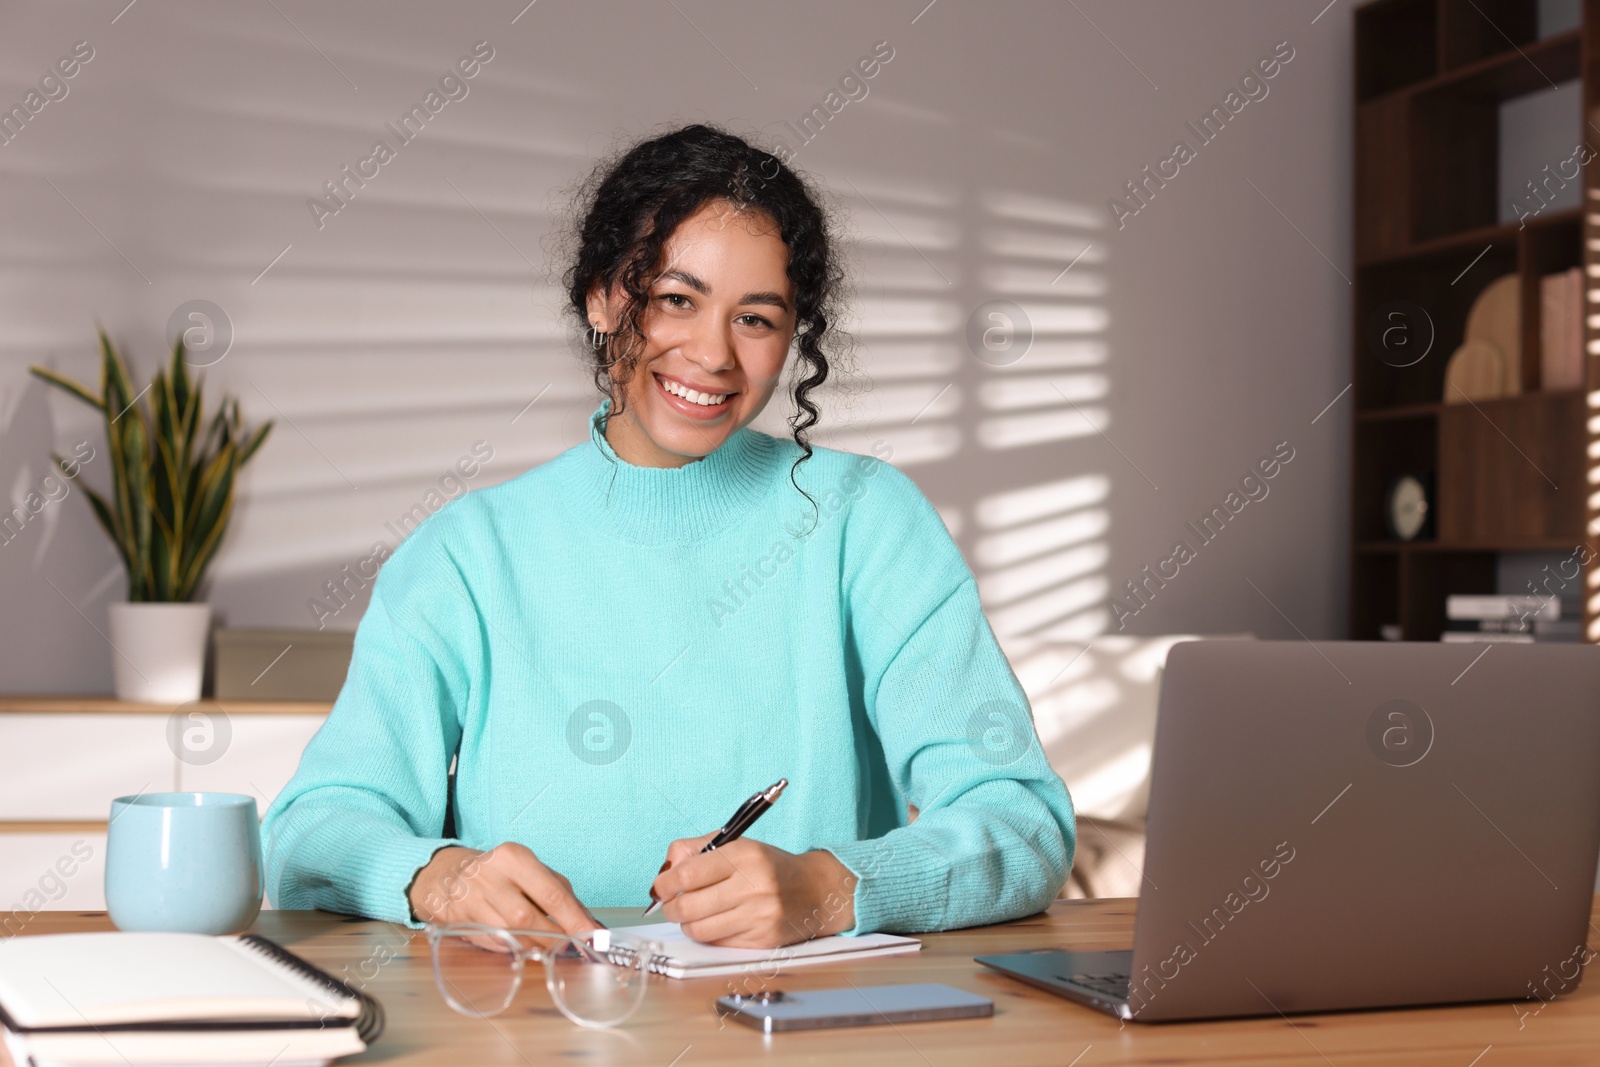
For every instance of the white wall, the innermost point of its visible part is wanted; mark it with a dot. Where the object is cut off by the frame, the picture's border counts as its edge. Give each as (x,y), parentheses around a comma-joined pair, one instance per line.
(417,320)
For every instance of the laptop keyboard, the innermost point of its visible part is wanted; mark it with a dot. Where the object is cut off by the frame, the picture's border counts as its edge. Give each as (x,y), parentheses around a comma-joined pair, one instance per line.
(1110,985)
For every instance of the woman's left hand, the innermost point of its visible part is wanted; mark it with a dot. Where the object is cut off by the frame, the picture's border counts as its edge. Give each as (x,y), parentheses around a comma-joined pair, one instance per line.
(750,895)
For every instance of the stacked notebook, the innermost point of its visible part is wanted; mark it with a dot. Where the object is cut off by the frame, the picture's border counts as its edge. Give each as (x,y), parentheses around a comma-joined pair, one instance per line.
(685,958)
(1514,619)
(1561,330)
(136,999)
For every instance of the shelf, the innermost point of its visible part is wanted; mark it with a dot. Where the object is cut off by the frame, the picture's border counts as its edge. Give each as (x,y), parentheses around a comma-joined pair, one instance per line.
(1532,396)
(1569,216)
(105,705)
(1471,240)
(1509,474)
(1421,411)
(1526,69)
(1440,247)
(1547,545)
(1428,411)
(1506,75)
(1399,411)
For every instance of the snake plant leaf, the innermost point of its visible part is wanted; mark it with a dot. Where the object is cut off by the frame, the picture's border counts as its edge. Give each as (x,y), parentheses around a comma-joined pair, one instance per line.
(215,507)
(165,481)
(137,445)
(253,443)
(187,398)
(165,500)
(102,511)
(180,377)
(209,548)
(69,468)
(162,507)
(215,485)
(82,392)
(193,451)
(162,550)
(119,394)
(116,439)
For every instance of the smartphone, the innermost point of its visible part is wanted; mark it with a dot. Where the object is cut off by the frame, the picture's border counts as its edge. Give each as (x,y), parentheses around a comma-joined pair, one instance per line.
(772,1010)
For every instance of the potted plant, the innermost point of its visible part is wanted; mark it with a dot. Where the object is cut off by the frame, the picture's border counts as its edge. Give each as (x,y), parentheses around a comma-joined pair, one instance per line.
(172,479)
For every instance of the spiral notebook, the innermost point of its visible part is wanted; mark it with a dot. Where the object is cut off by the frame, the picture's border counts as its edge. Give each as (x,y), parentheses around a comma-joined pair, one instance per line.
(147,998)
(683,957)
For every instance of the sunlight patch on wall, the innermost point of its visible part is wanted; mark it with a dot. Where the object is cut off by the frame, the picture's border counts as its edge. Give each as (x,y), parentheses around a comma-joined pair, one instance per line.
(905,388)
(1041,562)
(1113,781)
(1043,256)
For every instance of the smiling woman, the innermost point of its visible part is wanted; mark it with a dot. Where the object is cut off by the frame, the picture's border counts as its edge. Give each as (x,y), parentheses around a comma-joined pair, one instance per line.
(717,350)
(549,636)
(699,261)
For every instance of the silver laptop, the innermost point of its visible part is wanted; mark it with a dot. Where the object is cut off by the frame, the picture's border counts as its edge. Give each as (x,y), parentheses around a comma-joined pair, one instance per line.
(1357,825)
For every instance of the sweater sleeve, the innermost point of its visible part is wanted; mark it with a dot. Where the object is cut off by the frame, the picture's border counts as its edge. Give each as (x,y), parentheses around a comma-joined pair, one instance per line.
(365,808)
(994,835)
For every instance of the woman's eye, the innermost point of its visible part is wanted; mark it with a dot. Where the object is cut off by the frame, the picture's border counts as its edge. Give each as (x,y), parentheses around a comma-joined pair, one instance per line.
(671,299)
(755,320)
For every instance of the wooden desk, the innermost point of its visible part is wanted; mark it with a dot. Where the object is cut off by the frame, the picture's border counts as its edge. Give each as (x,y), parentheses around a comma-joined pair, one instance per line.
(677,1027)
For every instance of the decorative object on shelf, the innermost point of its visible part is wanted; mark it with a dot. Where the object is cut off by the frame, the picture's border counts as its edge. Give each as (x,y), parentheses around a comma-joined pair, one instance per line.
(172,481)
(1496,317)
(1489,362)
(1476,371)
(1408,506)
(282,664)
(1561,330)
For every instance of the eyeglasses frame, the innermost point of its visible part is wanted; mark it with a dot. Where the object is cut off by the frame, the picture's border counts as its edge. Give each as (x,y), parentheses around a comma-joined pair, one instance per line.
(546,939)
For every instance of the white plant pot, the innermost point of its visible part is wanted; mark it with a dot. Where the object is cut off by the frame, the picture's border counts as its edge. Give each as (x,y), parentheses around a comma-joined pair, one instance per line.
(159,651)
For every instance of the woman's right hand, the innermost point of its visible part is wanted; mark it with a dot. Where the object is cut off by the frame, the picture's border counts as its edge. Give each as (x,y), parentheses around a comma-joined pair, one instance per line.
(506,886)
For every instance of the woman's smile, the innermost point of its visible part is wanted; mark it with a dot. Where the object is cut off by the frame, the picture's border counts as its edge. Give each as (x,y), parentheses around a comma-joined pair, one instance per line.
(701,401)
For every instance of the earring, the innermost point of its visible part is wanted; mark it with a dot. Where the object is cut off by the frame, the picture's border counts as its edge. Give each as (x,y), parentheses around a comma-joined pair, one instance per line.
(597,340)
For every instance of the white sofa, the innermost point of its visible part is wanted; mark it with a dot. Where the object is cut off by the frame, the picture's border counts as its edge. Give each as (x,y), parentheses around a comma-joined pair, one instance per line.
(1094,705)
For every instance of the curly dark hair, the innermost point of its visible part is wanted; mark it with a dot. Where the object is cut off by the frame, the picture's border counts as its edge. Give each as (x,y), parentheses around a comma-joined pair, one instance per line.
(628,208)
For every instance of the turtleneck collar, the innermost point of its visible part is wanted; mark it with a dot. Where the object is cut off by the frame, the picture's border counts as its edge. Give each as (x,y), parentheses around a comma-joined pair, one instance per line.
(673,505)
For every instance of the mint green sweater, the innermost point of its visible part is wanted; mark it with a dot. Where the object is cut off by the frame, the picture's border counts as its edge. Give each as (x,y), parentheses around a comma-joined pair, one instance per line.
(617,656)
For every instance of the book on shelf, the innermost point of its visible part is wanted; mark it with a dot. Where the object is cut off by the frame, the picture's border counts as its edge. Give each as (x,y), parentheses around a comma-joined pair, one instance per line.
(1561,330)
(1467,637)
(1535,629)
(1478,607)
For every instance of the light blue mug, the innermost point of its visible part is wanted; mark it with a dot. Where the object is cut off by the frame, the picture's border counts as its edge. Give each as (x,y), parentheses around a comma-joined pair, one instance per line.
(184,862)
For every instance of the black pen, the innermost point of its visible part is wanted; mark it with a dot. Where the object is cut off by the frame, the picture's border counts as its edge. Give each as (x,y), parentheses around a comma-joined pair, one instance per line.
(742,820)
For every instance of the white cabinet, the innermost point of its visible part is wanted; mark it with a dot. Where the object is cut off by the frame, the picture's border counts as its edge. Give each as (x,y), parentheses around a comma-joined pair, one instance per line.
(63,761)
(51,871)
(261,756)
(72,766)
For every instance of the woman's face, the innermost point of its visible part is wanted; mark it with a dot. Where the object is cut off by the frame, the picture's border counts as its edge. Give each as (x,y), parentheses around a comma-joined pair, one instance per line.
(717,326)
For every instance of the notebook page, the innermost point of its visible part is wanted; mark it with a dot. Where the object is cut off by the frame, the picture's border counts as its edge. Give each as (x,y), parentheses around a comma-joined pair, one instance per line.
(108,978)
(685,952)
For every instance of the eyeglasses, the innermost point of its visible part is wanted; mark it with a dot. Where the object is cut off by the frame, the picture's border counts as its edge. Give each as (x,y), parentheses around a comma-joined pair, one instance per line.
(596,984)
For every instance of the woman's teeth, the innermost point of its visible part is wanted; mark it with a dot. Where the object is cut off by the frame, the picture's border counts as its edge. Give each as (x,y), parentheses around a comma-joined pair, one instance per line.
(691,395)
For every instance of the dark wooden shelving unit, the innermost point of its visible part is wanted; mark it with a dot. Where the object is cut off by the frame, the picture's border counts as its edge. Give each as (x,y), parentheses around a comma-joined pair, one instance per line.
(1509,474)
